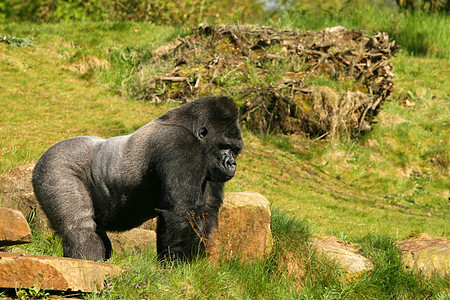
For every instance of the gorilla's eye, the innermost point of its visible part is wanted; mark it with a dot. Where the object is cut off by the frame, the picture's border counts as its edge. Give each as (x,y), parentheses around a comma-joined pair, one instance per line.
(203,132)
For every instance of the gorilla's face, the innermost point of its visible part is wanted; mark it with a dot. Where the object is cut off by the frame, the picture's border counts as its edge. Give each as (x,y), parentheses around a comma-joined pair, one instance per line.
(223,143)
(215,122)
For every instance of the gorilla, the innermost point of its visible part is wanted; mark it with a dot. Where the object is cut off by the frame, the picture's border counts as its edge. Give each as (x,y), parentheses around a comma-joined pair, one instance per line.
(173,168)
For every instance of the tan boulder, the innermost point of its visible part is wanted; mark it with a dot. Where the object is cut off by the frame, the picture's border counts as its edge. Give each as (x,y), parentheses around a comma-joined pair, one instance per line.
(133,240)
(426,255)
(345,254)
(53,273)
(14,228)
(244,228)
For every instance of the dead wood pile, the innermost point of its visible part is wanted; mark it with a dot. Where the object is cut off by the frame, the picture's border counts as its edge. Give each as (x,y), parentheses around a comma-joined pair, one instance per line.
(327,83)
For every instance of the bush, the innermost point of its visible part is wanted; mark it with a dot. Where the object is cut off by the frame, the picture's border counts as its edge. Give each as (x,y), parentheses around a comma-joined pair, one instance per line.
(157,11)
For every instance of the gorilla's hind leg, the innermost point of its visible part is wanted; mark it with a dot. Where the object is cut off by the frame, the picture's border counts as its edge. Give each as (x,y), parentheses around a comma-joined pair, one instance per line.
(86,244)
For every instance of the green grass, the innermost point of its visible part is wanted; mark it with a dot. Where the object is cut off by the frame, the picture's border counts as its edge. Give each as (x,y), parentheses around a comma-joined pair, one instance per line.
(293,270)
(389,185)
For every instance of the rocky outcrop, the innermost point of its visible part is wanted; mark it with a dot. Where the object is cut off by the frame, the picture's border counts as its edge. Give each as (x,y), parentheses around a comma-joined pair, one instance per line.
(426,255)
(244,228)
(14,228)
(345,254)
(53,273)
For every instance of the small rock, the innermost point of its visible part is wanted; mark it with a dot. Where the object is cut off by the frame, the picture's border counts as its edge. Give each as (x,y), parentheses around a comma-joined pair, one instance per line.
(426,255)
(372,143)
(53,273)
(133,240)
(345,254)
(407,103)
(14,228)
(244,228)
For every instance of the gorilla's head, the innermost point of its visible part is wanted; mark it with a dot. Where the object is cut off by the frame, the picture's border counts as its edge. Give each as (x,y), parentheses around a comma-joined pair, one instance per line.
(222,138)
(215,123)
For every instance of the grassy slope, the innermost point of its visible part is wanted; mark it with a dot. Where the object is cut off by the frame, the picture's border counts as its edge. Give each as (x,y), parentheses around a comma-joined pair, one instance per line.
(385,183)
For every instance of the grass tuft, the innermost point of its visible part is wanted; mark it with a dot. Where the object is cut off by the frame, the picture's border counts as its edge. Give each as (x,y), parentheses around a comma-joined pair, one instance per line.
(389,280)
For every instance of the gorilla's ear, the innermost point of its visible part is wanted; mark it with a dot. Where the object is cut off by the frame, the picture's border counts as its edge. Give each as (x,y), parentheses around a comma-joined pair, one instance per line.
(203,132)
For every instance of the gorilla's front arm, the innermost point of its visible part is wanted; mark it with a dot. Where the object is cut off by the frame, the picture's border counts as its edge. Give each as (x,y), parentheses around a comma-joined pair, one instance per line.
(187,197)
(128,179)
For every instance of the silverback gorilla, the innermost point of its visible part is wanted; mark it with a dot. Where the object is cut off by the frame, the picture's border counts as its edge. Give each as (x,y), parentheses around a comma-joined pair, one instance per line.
(174,167)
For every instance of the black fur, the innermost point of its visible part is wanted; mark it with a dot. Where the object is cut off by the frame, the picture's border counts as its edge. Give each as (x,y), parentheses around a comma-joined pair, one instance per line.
(174,167)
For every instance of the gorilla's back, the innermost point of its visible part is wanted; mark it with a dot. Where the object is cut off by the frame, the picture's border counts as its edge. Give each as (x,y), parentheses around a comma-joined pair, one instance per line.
(72,156)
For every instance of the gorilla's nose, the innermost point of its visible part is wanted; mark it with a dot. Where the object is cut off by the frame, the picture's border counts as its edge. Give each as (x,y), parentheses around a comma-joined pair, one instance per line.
(230,164)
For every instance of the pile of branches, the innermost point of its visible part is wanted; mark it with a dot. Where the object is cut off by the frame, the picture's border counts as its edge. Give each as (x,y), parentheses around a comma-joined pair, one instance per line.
(327,83)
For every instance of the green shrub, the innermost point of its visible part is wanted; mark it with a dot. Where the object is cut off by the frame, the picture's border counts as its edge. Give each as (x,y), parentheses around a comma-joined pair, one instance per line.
(171,12)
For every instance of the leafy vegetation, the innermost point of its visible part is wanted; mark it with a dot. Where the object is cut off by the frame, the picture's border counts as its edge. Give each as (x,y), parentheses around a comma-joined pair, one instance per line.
(16,42)
(390,184)
(431,6)
(172,12)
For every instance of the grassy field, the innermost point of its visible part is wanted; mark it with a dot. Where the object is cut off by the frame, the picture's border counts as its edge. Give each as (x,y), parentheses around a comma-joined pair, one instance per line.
(391,184)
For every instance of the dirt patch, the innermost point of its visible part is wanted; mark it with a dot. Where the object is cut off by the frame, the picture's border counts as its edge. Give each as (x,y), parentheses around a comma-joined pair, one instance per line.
(327,83)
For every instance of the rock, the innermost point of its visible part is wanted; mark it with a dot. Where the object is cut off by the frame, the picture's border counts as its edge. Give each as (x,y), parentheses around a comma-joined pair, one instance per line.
(53,273)
(133,240)
(14,228)
(244,228)
(345,254)
(17,192)
(426,255)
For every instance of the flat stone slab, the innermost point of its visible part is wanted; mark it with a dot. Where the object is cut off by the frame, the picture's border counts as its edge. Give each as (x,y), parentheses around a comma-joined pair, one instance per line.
(53,273)
(345,254)
(426,255)
(14,228)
